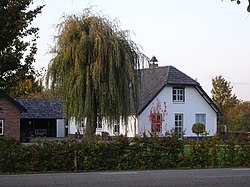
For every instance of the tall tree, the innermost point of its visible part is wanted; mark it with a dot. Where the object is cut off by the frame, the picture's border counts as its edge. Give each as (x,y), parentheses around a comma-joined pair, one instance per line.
(95,69)
(223,97)
(222,94)
(17,42)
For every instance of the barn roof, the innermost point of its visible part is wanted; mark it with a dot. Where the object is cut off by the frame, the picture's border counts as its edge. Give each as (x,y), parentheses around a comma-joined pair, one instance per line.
(41,108)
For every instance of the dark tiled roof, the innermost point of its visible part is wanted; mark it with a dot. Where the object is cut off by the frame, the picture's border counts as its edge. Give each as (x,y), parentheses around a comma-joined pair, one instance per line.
(177,77)
(41,108)
(152,82)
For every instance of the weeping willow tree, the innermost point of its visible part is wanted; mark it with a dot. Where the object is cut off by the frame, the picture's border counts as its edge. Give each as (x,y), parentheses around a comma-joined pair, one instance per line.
(95,70)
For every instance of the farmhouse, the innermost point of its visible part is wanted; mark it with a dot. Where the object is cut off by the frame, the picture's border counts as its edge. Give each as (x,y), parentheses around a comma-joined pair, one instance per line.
(170,102)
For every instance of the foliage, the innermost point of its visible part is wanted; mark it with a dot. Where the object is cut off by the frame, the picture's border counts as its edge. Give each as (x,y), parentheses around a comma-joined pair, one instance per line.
(91,154)
(198,128)
(222,94)
(239,1)
(30,87)
(236,113)
(95,69)
(199,154)
(223,97)
(9,150)
(17,42)
(239,117)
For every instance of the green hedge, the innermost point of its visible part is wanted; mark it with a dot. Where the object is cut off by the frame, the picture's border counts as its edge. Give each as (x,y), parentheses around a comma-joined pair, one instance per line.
(91,154)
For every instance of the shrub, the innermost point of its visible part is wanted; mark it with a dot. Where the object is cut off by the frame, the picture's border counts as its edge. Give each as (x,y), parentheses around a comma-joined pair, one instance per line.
(121,154)
(198,128)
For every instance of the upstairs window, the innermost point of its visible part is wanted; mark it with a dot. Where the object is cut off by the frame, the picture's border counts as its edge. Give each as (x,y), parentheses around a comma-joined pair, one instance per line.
(1,127)
(178,94)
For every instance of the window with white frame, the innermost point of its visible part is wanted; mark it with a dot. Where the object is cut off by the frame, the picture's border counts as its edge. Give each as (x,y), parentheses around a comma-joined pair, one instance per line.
(178,94)
(178,128)
(1,126)
(200,118)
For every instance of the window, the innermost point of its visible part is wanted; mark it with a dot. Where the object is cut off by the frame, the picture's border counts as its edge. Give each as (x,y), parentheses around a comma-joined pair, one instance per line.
(99,123)
(1,127)
(156,120)
(178,128)
(116,129)
(200,118)
(178,94)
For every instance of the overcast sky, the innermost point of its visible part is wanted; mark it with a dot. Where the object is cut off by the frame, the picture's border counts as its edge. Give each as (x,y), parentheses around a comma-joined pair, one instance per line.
(202,38)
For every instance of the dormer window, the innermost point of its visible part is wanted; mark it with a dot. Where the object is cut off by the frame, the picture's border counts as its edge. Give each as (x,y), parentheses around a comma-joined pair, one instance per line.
(178,94)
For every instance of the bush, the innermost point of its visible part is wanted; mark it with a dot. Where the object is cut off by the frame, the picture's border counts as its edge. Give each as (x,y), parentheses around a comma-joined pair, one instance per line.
(91,154)
(198,128)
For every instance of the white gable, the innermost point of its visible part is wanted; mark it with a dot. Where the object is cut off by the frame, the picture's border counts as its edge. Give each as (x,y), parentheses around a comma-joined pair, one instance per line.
(194,104)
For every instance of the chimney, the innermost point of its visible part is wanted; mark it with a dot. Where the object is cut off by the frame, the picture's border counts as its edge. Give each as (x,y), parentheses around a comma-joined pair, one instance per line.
(152,63)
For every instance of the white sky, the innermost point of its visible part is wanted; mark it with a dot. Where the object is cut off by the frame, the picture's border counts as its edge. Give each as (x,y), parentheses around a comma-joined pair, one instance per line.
(202,38)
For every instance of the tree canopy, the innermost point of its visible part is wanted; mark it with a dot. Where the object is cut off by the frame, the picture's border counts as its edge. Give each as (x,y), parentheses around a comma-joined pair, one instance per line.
(95,69)
(236,115)
(198,128)
(30,87)
(17,42)
(222,94)
(239,1)
(239,118)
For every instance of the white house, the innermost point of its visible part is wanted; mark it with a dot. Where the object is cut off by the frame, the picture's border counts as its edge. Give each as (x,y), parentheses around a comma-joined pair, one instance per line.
(170,101)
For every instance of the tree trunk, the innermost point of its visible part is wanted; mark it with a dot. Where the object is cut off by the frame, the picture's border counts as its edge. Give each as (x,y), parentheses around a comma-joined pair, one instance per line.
(91,123)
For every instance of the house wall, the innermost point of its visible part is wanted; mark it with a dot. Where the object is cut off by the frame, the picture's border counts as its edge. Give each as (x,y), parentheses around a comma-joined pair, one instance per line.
(162,103)
(194,104)
(11,116)
(73,127)
(129,129)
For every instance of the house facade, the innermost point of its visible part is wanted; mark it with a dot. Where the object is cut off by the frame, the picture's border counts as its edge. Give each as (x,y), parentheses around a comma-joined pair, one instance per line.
(10,113)
(170,102)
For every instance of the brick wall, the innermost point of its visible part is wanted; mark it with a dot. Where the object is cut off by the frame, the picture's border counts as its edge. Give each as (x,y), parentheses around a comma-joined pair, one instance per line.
(11,116)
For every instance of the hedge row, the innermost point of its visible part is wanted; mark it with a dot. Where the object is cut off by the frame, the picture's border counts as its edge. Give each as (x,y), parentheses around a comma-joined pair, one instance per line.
(121,154)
